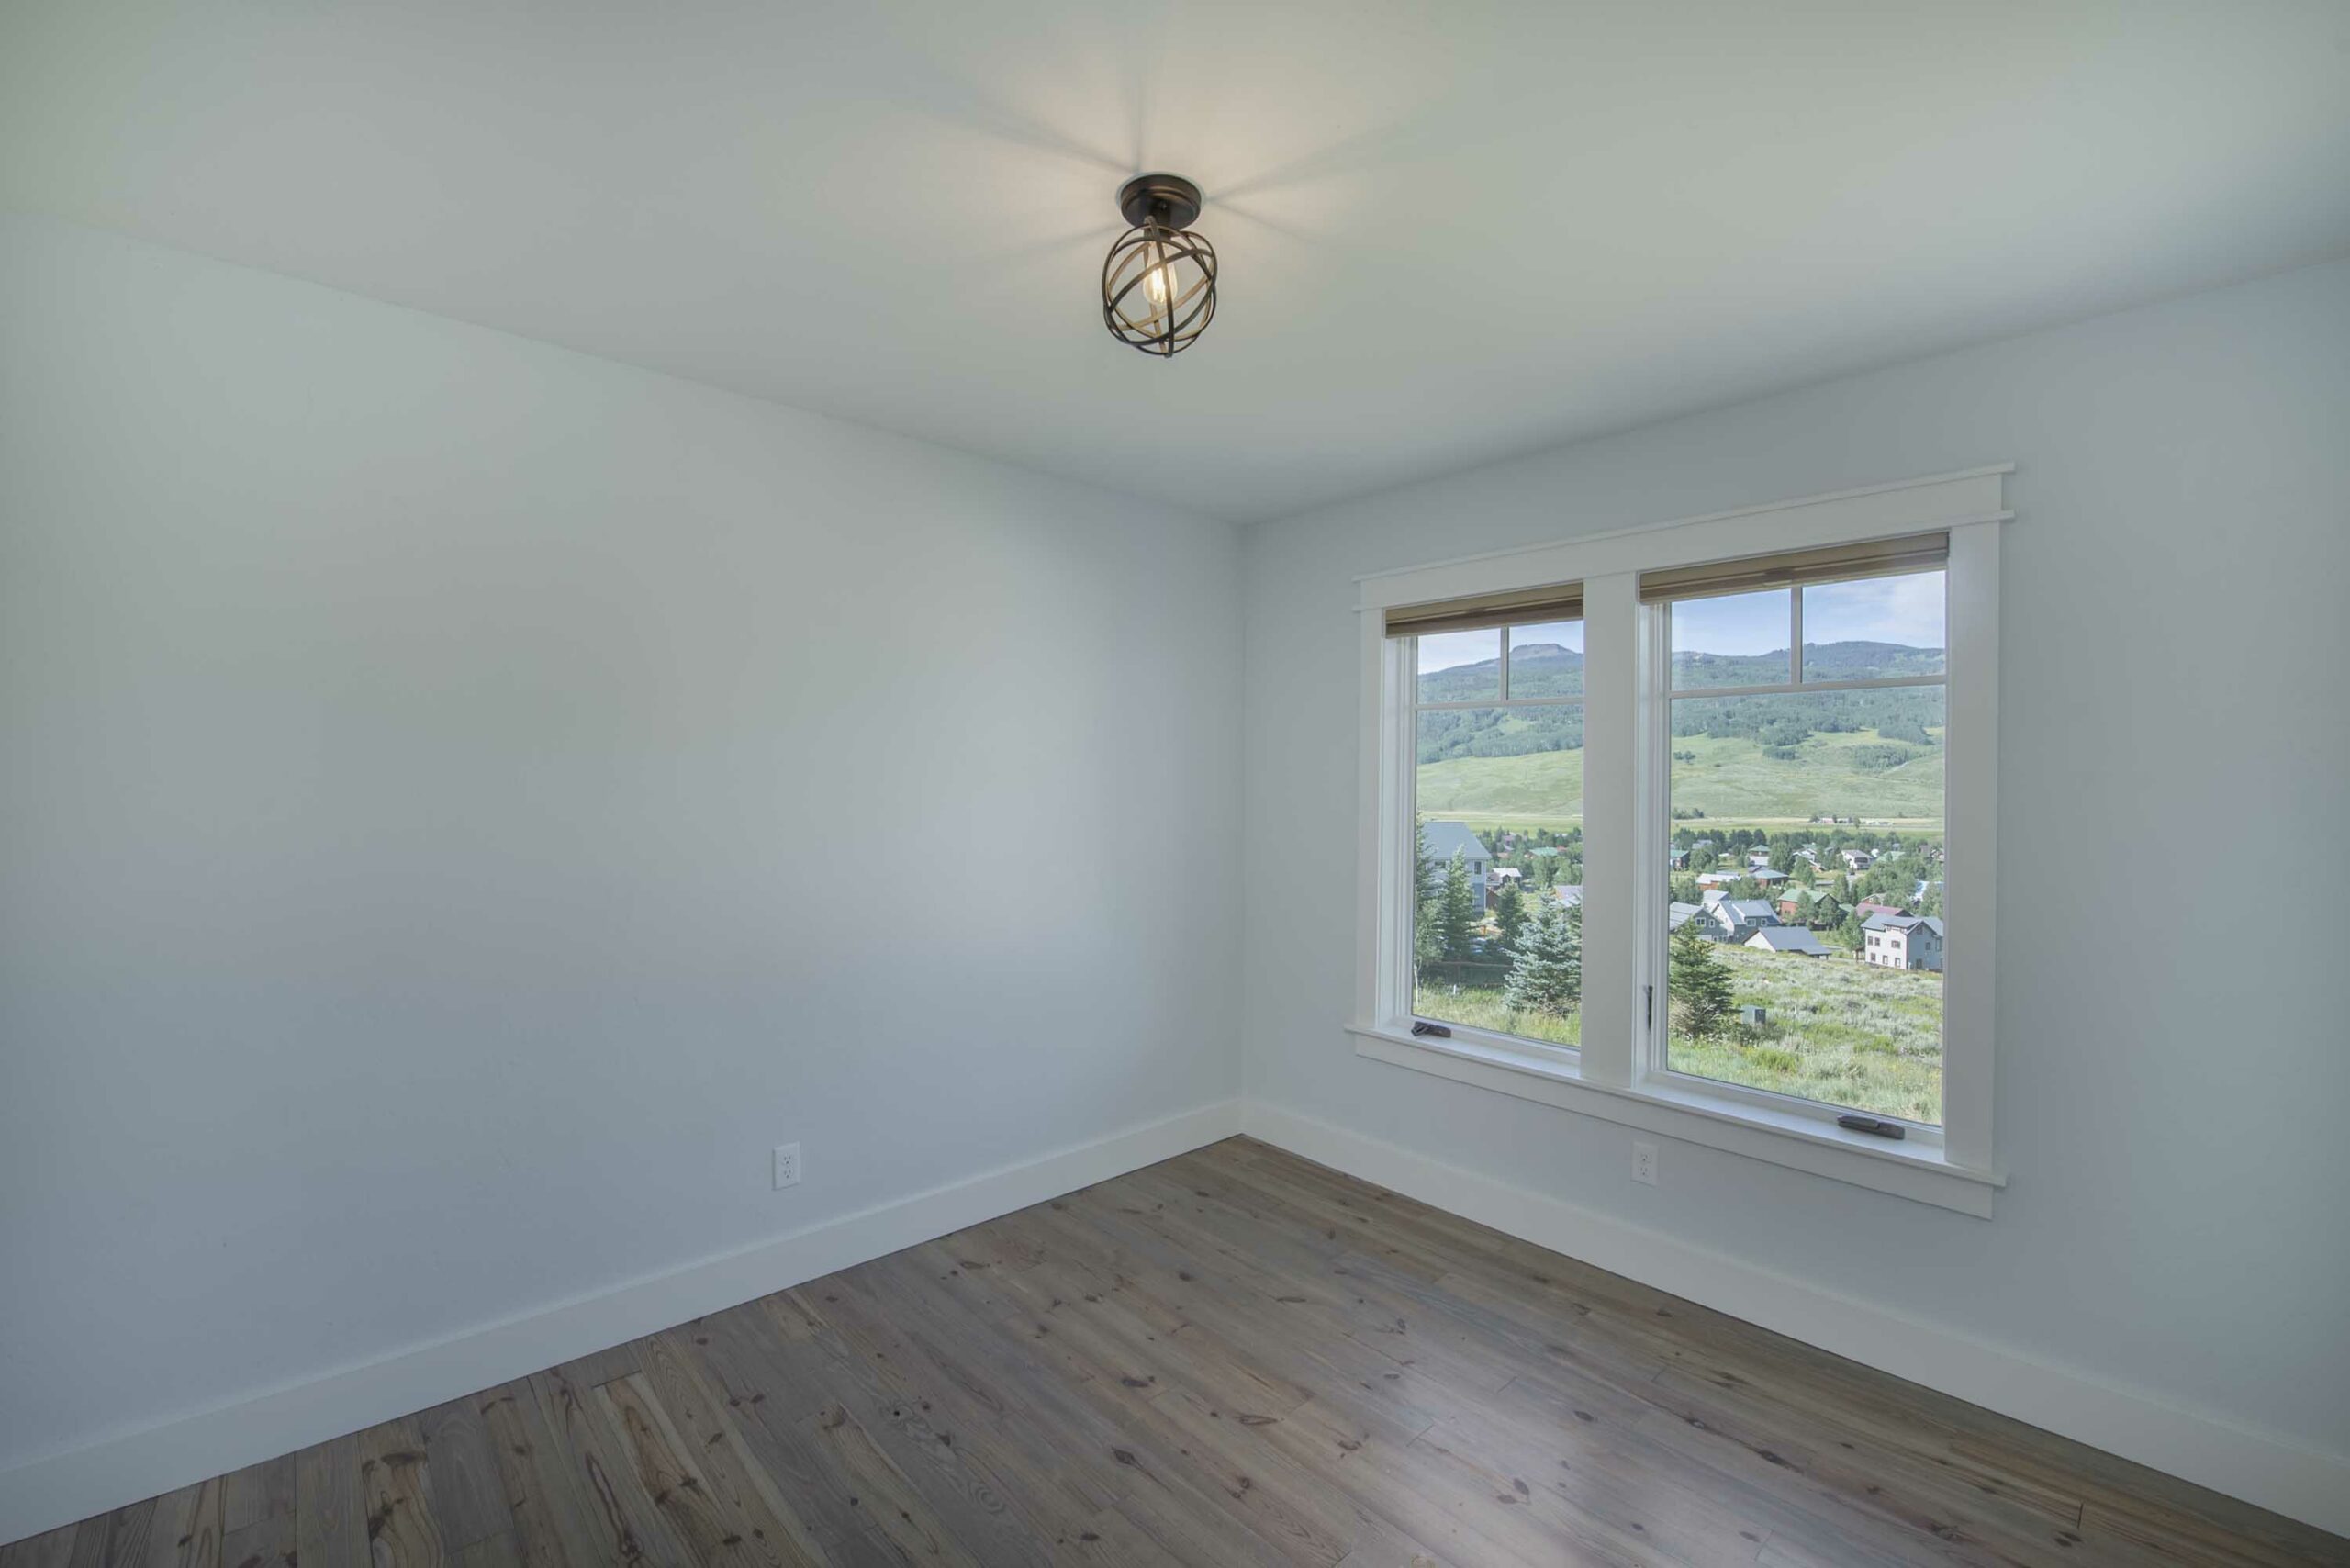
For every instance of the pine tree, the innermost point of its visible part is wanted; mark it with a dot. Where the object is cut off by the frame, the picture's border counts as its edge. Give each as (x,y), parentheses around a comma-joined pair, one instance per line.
(1427,887)
(1548,975)
(1456,920)
(1509,913)
(1698,982)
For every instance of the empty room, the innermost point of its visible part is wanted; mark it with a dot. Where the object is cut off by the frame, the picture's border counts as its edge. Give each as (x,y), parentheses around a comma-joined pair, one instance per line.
(1127,782)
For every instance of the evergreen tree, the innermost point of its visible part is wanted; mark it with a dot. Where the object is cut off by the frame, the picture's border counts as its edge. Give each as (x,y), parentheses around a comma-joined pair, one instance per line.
(1456,920)
(1547,976)
(1428,889)
(1509,913)
(1698,982)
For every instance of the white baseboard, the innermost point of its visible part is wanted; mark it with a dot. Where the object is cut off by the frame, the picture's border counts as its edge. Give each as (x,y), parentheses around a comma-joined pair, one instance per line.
(56,1490)
(2300,1483)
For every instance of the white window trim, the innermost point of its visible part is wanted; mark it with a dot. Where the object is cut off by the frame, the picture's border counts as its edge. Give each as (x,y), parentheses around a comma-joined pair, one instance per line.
(1612,1076)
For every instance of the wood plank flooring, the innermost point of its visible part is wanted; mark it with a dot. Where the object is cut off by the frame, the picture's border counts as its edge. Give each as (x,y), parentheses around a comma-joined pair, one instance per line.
(1233,1358)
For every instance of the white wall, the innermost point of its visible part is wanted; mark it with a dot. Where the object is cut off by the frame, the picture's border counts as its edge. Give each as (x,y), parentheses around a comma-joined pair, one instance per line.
(2170,1102)
(462,802)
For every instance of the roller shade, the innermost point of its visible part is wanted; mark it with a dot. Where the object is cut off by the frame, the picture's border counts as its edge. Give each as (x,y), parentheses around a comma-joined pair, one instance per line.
(1834,562)
(1560,601)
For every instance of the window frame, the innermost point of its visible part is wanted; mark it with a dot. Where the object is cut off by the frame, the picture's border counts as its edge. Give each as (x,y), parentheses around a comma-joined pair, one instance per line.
(1616,1074)
(1654,830)
(1408,987)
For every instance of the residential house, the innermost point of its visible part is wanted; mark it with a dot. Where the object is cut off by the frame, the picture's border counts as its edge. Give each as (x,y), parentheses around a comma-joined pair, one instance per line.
(1903,942)
(1735,920)
(1858,860)
(1795,904)
(1767,876)
(1446,840)
(1869,909)
(1787,939)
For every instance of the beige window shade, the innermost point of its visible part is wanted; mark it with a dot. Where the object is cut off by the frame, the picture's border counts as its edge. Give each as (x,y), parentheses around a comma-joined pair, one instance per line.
(1560,601)
(1835,562)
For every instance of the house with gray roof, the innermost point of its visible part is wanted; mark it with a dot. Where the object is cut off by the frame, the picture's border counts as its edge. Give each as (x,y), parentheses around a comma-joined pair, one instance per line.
(1446,840)
(1903,942)
(1735,920)
(1787,939)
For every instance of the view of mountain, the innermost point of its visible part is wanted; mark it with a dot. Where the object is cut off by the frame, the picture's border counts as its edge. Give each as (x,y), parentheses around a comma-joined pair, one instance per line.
(1900,716)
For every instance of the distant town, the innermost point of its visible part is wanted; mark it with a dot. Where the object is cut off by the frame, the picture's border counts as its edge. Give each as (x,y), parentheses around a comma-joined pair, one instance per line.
(1850,891)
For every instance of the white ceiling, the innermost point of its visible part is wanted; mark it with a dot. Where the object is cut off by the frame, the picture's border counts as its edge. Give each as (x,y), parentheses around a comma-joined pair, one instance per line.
(1450,231)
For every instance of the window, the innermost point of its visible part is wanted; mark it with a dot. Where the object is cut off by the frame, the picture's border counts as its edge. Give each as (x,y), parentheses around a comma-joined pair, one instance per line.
(1671,827)
(1806,724)
(1498,817)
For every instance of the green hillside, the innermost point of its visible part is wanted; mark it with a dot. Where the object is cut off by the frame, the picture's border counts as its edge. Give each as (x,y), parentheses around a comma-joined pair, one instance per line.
(1542,790)
(1855,773)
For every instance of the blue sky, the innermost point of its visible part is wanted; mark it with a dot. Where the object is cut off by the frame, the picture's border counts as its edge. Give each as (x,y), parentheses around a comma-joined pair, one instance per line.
(1449,650)
(1905,610)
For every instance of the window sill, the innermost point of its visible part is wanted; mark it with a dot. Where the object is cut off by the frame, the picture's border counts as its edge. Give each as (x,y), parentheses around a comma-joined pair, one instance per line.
(1916,1171)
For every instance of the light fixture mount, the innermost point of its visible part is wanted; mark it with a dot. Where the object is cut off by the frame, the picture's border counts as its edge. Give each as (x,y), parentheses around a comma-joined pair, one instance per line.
(1169,201)
(1158,280)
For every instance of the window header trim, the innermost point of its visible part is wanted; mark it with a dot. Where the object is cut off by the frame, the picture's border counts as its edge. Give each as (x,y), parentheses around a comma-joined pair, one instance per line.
(1833,563)
(1474,612)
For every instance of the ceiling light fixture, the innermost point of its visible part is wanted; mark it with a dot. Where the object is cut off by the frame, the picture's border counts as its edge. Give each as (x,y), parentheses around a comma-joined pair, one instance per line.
(1158,280)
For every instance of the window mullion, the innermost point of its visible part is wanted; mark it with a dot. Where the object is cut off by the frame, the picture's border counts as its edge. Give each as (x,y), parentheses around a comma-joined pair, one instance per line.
(1610,806)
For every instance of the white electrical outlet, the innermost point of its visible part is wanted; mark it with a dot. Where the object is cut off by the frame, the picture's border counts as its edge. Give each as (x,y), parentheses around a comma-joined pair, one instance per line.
(787,1165)
(1643,1163)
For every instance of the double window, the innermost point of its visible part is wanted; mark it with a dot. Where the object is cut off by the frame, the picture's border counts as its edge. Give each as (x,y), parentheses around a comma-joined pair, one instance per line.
(1684,828)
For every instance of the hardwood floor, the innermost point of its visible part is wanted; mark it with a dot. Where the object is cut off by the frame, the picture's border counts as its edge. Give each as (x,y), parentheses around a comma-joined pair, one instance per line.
(1232,1358)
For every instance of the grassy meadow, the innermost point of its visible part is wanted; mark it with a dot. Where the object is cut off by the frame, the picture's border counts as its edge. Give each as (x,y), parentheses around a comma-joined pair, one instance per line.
(1481,1007)
(1840,1031)
(1731,780)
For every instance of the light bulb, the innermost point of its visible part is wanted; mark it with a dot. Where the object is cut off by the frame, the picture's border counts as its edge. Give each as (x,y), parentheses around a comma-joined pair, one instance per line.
(1158,285)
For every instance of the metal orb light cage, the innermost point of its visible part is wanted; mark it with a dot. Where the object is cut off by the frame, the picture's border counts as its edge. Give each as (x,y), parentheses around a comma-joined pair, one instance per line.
(1158,280)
